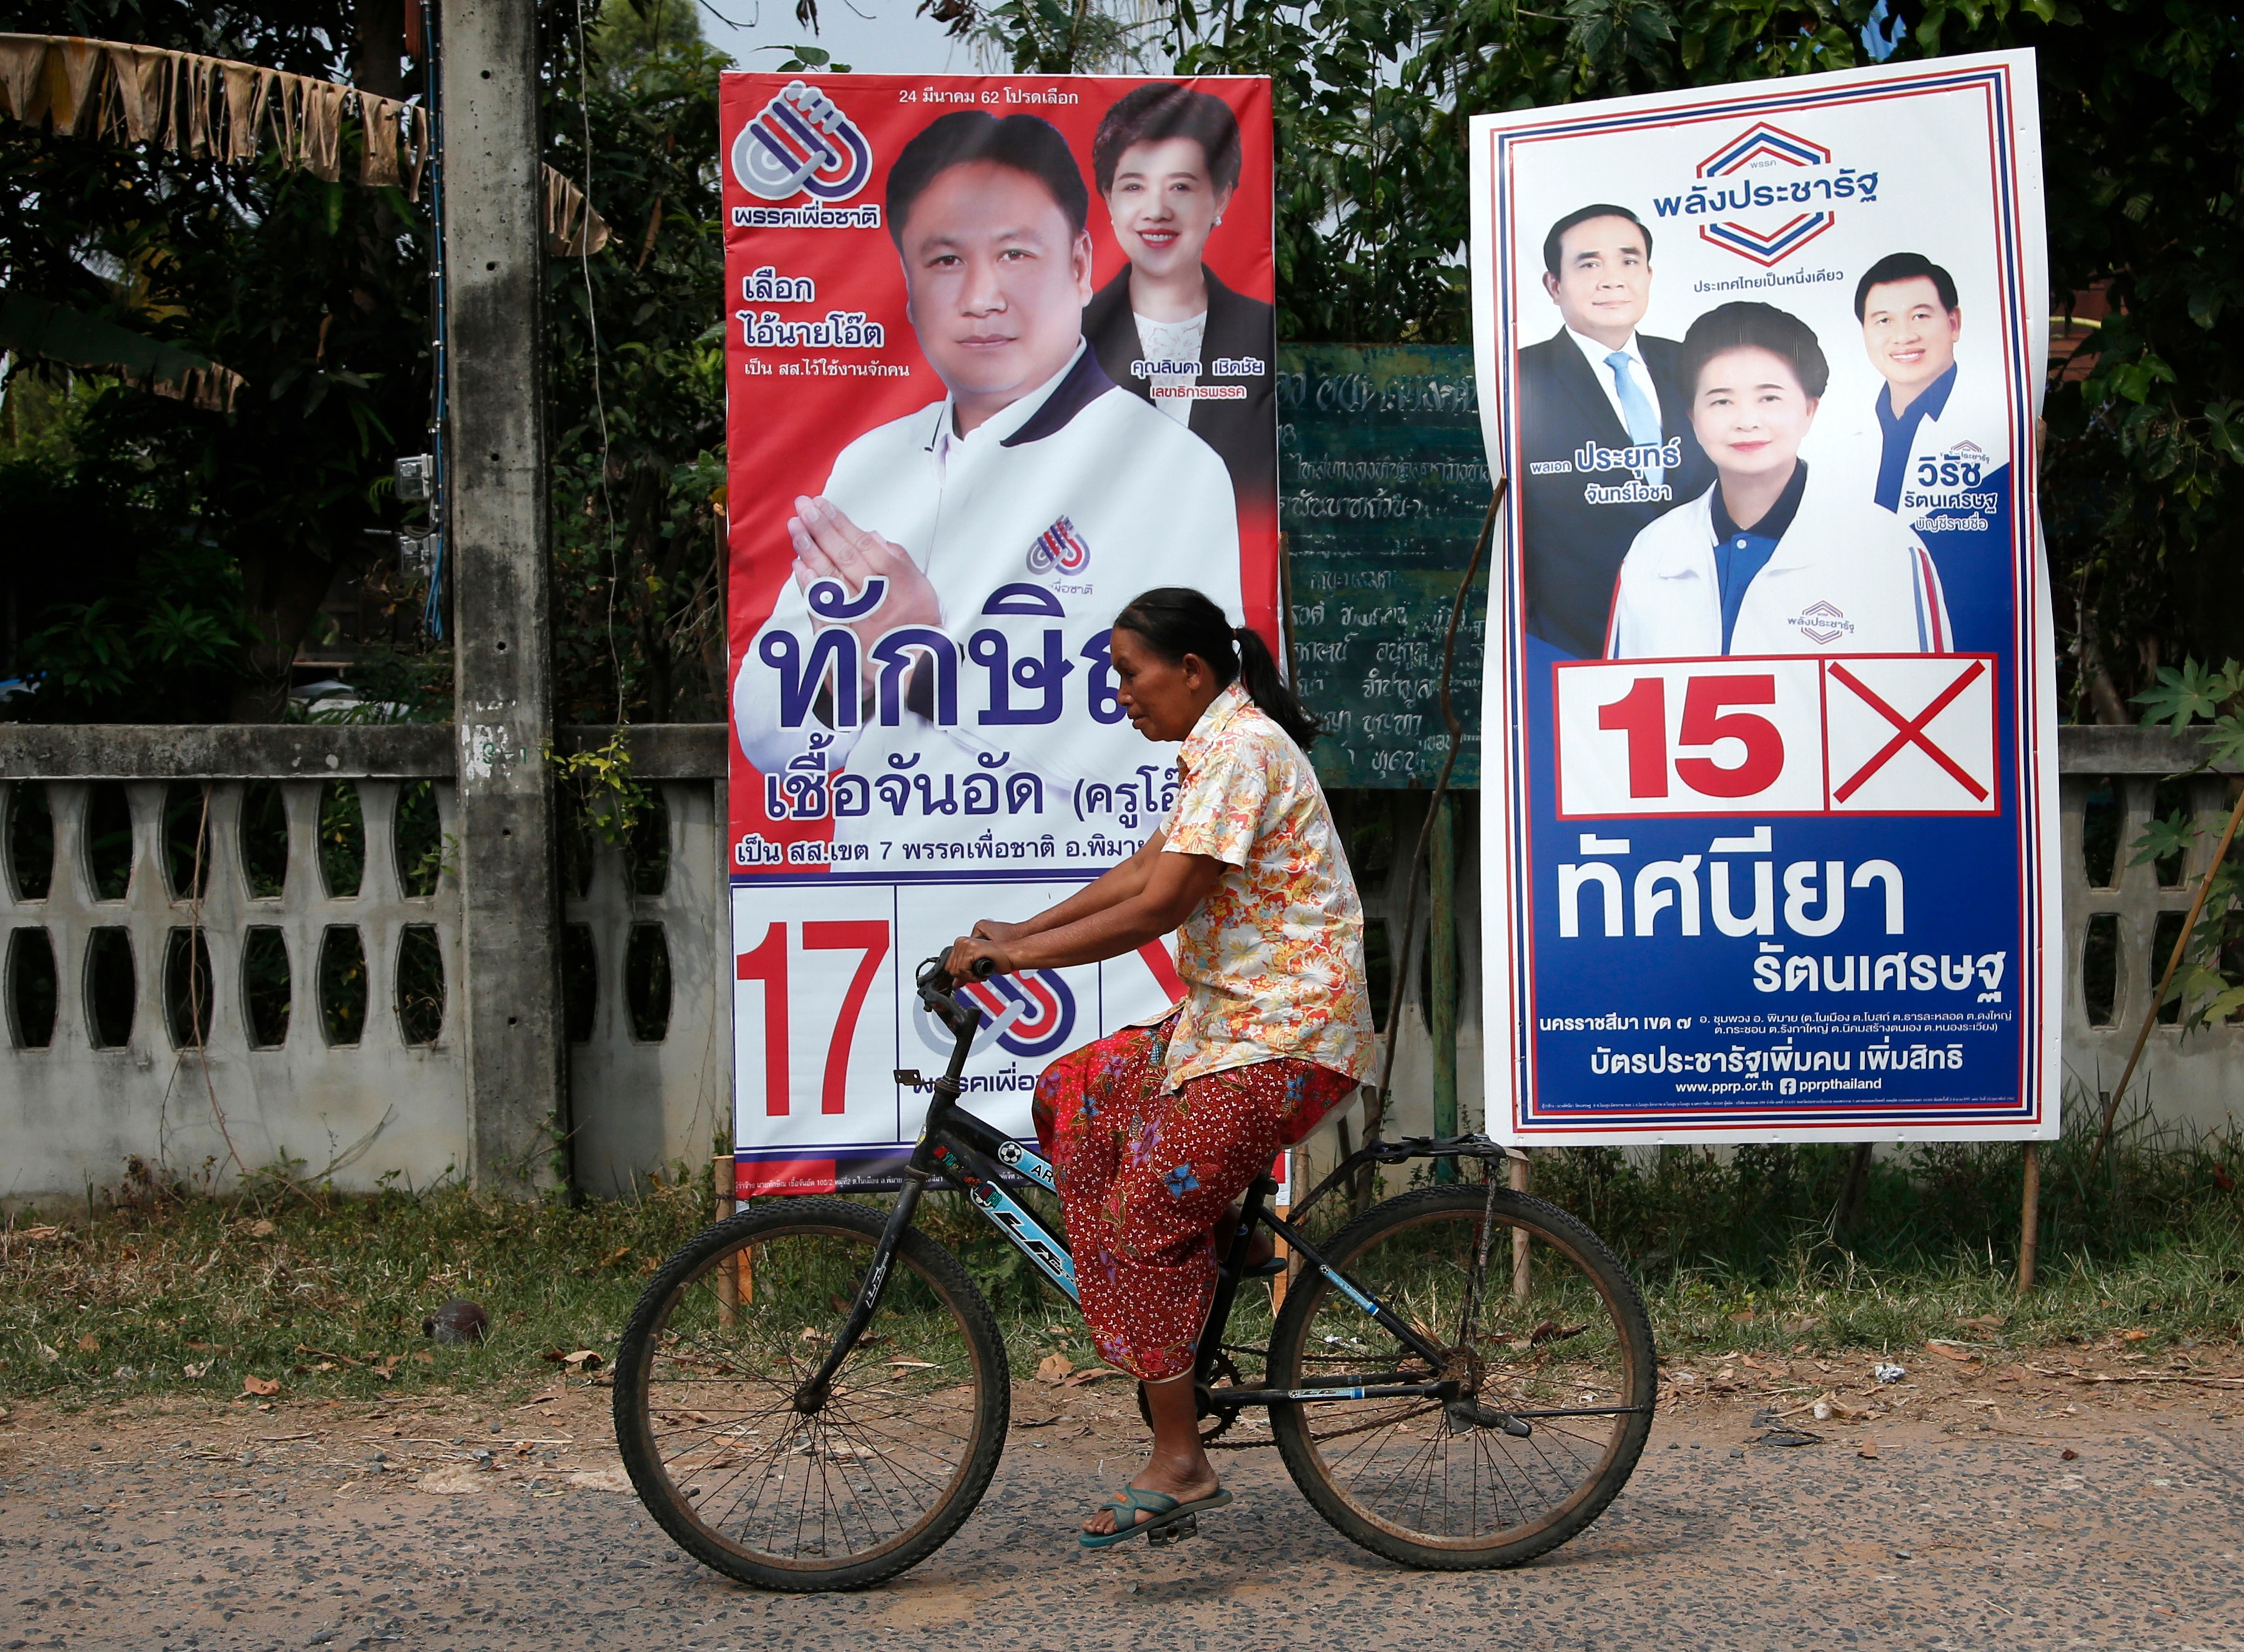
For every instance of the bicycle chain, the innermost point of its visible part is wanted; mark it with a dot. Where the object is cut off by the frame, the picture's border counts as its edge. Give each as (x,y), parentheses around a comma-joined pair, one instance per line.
(1211,1444)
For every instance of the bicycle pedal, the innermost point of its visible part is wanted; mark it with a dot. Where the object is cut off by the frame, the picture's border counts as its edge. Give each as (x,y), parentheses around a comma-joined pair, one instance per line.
(1188,1527)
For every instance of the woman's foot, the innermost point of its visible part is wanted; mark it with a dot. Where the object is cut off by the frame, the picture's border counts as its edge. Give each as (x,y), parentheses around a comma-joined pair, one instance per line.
(1178,1467)
(1155,1476)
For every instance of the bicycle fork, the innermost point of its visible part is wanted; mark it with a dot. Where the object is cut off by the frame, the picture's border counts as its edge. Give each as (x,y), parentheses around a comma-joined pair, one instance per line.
(813,1393)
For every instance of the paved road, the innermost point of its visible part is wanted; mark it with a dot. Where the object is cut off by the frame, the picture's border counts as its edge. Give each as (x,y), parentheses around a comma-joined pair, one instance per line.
(208,1527)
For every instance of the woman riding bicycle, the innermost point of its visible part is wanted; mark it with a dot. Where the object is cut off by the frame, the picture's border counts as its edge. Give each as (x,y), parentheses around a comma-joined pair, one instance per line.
(1156,1130)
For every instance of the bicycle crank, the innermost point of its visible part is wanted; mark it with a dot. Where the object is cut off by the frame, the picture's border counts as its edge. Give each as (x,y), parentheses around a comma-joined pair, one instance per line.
(1465,1415)
(1215,1421)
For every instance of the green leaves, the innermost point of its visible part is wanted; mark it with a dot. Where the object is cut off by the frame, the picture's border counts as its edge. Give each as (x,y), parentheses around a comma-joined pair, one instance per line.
(2167,837)
(2192,693)
(2212,973)
(637,384)
(193,637)
(802,59)
(40,328)
(611,802)
(1613,36)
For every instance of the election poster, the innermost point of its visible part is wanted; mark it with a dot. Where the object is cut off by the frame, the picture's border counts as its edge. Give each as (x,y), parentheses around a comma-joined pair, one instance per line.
(1000,357)
(1769,696)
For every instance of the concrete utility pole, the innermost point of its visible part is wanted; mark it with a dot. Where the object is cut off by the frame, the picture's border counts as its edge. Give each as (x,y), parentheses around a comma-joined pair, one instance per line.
(502,604)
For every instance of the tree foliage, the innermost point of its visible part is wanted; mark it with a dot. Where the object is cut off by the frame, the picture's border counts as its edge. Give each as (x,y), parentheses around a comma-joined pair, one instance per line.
(636,377)
(2142,122)
(200,543)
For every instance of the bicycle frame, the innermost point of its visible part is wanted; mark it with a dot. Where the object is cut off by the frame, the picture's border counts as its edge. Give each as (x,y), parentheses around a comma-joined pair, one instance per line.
(973,1154)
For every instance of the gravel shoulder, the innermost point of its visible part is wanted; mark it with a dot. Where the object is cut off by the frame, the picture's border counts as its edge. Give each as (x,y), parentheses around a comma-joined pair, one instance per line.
(2074,1496)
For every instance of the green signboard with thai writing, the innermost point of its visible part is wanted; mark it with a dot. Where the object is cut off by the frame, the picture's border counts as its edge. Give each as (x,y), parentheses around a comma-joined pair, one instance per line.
(1384,481)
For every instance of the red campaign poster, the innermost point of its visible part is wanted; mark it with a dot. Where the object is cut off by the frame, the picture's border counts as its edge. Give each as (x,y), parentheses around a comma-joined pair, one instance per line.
(999,351)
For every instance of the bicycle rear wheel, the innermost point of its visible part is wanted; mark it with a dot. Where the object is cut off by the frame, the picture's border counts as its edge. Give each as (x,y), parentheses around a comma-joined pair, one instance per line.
(854,1489)
(1445,1486)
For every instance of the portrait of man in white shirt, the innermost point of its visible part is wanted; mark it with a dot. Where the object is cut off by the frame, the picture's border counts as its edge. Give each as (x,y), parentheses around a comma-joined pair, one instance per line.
(977,551)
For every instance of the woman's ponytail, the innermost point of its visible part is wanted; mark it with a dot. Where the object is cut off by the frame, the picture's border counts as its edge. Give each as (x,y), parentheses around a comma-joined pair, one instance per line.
(1177,621)
(1257,671)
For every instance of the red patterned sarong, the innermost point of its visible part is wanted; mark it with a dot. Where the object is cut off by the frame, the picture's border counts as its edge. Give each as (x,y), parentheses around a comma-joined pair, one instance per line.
(1144,1176)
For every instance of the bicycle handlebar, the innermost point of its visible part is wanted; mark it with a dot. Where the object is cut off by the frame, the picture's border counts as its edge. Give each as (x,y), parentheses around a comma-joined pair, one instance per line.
(934,982)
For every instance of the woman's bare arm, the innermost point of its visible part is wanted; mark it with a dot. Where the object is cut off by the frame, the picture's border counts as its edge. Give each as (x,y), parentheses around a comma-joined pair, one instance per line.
(1112,886)
(1172,890)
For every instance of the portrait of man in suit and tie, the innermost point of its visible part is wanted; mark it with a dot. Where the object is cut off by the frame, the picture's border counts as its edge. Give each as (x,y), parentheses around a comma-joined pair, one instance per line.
(1605,445)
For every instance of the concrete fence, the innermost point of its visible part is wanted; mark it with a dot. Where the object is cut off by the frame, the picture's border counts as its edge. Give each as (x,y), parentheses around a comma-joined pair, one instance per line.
(305,1003)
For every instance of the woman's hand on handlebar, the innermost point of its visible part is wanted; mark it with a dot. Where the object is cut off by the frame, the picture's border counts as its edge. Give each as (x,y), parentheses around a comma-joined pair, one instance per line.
(968,951)
(991,929)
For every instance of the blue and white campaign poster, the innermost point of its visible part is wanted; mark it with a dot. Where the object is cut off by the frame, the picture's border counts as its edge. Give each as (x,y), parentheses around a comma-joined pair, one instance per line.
(1770,680)
(999,357)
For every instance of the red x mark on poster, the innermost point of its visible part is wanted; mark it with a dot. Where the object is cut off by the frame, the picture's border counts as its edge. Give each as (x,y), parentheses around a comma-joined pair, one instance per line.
(1911,731)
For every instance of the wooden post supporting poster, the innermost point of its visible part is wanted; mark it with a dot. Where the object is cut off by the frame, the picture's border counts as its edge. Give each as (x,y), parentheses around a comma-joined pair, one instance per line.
(728,1282)
(2030,1218)
(1519,1280)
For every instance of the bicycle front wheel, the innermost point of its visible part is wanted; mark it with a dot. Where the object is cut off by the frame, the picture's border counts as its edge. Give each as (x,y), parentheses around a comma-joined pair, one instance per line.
(786,1490)
(1557,1348)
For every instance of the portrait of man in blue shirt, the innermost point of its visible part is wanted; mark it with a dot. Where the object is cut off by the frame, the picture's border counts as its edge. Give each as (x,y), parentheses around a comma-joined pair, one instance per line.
(1910,323)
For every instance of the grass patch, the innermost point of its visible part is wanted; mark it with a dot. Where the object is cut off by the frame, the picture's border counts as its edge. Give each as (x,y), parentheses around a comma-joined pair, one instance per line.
(1753,1250)
(161,1292)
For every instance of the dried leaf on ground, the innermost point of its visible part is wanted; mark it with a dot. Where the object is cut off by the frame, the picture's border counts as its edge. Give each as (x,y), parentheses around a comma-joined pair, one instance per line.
(602,1480)
(261,1385)
(1053,1368)
(89,1344)
(1950,1351)
(1092,1375)
(452,1480)
(1869,1448)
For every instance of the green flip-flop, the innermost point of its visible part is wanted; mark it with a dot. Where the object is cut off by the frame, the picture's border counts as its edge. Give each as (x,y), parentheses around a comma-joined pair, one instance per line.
(1163,1512)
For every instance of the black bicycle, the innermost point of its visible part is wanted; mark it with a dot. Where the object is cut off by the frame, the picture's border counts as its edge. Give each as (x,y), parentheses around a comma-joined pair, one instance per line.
(814,1395)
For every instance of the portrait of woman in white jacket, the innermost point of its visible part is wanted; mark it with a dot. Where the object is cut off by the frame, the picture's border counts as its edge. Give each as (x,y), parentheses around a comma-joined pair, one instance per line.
(1767,560)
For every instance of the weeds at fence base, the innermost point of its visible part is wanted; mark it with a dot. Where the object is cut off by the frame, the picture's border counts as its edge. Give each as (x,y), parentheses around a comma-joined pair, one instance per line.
(164,1287)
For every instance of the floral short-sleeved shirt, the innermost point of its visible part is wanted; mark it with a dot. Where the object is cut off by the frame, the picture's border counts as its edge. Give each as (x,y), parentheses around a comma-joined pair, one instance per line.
(1274,958)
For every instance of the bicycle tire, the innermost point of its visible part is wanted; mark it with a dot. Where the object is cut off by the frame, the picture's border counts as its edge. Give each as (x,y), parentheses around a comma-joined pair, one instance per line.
(1439,1488)
(869,1483)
